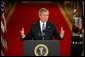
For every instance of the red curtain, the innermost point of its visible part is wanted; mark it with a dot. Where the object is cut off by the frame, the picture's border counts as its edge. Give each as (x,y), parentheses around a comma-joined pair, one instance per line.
(27,14)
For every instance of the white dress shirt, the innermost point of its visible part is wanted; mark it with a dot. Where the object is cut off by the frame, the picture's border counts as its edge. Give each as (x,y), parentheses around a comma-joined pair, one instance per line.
(41,25)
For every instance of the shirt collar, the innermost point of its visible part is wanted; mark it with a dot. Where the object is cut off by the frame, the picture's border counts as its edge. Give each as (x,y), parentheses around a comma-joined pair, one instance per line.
(42,22)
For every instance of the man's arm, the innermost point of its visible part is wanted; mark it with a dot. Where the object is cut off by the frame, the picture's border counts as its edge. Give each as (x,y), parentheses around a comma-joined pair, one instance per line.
(29,36)
(56,34)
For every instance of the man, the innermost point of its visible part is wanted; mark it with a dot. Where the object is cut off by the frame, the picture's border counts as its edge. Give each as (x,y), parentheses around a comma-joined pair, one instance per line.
(43,30)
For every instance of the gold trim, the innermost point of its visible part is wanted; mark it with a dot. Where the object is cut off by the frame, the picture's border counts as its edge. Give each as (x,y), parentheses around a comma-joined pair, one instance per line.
(10,12)
(65,17)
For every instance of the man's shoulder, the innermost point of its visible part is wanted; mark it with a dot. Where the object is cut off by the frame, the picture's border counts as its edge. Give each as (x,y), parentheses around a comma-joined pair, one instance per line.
(50,23)
(36,24)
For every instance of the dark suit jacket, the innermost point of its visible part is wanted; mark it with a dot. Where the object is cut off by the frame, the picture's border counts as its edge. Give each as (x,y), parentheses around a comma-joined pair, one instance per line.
(35,32)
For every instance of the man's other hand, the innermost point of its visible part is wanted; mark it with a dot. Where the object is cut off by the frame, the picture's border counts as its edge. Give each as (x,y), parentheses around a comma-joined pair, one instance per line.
(62,32)
(22,33)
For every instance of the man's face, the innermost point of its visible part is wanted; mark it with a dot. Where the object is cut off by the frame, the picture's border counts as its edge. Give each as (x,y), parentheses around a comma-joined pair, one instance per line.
(44,16)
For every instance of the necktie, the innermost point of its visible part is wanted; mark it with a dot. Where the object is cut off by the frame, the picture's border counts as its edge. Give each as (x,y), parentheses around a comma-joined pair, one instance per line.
(43,31)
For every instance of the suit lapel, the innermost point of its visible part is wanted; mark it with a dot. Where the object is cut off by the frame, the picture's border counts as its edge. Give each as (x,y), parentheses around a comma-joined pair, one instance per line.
(46,30)
(39,30)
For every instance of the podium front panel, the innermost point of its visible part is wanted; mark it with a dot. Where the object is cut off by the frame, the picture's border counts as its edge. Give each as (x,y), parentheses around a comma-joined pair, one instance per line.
(41,48)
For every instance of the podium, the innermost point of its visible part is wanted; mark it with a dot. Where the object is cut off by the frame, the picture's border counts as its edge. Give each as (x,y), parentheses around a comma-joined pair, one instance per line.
(41,48)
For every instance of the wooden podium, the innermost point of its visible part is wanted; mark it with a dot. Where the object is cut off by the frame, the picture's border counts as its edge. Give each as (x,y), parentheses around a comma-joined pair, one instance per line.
(41,48)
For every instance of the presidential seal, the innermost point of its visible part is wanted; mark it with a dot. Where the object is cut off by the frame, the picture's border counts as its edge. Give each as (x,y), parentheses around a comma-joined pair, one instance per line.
(41,50)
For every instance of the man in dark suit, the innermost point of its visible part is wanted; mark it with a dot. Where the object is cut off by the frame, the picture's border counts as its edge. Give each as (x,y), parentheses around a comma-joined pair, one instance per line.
(43,30)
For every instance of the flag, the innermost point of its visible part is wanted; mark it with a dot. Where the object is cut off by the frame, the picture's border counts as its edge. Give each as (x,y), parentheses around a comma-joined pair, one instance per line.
(79,10)
(3,30)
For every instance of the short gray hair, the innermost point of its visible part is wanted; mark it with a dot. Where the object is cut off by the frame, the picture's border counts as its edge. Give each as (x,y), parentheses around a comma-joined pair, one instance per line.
(43,10)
